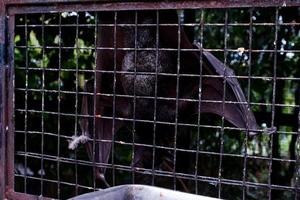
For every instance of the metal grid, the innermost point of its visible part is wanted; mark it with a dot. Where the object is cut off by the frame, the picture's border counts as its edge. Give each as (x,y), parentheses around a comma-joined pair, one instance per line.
(55,53)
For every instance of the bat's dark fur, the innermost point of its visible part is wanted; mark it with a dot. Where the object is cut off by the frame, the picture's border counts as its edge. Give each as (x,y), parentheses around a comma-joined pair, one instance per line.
(144,84)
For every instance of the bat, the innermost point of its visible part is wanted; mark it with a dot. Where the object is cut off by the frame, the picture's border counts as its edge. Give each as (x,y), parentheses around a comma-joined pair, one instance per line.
(139,73)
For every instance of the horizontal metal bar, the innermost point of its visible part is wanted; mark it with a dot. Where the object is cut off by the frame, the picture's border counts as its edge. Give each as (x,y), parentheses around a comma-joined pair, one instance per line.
(265,78)
(158,172)
(192,2)
(160,49)
(208,153)
(17,195)
(158,98)
(161,3)
(154,25)
(107,165)
(55,182)
(39,6)
(131,120)
(284,120)
(124,119)
(66,136)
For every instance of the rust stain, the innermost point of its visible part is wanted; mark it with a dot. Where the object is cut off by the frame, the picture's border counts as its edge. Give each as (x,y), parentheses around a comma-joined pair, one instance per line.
(40,6)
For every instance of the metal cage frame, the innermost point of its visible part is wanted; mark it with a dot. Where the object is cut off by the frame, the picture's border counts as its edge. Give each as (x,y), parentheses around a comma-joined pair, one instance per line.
(8,10)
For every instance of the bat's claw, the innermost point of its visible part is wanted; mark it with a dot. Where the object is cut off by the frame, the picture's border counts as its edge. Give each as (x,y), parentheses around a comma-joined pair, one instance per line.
(101,177)
(252,133)
(270,130)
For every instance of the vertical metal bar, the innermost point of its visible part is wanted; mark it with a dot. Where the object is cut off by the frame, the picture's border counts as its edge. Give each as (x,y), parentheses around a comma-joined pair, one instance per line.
(273,105)
(2,98)
(10,105)
(134,92)
(76,98)
(199,98)
(223,105)
(297,164)
(58,108)
(155,96)
(114,97)
(43,105)
(248,100)
(94,101)
(177,99)
(26,101)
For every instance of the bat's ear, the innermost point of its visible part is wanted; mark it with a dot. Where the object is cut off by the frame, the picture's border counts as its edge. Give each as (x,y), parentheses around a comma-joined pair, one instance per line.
(235,109)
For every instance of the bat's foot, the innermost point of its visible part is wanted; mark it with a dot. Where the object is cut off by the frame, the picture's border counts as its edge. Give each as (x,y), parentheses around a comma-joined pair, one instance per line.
(271,130)
(252,133)
(101,177)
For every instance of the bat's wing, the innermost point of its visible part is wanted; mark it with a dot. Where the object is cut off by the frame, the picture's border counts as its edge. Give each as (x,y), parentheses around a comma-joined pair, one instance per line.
(238,112)
(102,132)
(236,109)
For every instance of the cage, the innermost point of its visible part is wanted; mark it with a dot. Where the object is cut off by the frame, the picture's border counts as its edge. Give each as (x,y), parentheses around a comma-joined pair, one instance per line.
(196,96)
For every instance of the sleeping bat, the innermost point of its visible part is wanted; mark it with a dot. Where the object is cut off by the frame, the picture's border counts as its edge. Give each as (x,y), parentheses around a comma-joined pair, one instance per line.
(149,68)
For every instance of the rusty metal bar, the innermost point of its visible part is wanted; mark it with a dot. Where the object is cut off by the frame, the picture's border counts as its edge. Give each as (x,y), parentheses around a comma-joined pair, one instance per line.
(38,6)
(2,99)
(10,106)
(215,3)
(10,194)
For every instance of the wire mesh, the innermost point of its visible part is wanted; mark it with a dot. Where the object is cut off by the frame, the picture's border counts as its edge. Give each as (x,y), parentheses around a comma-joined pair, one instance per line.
(57,56)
